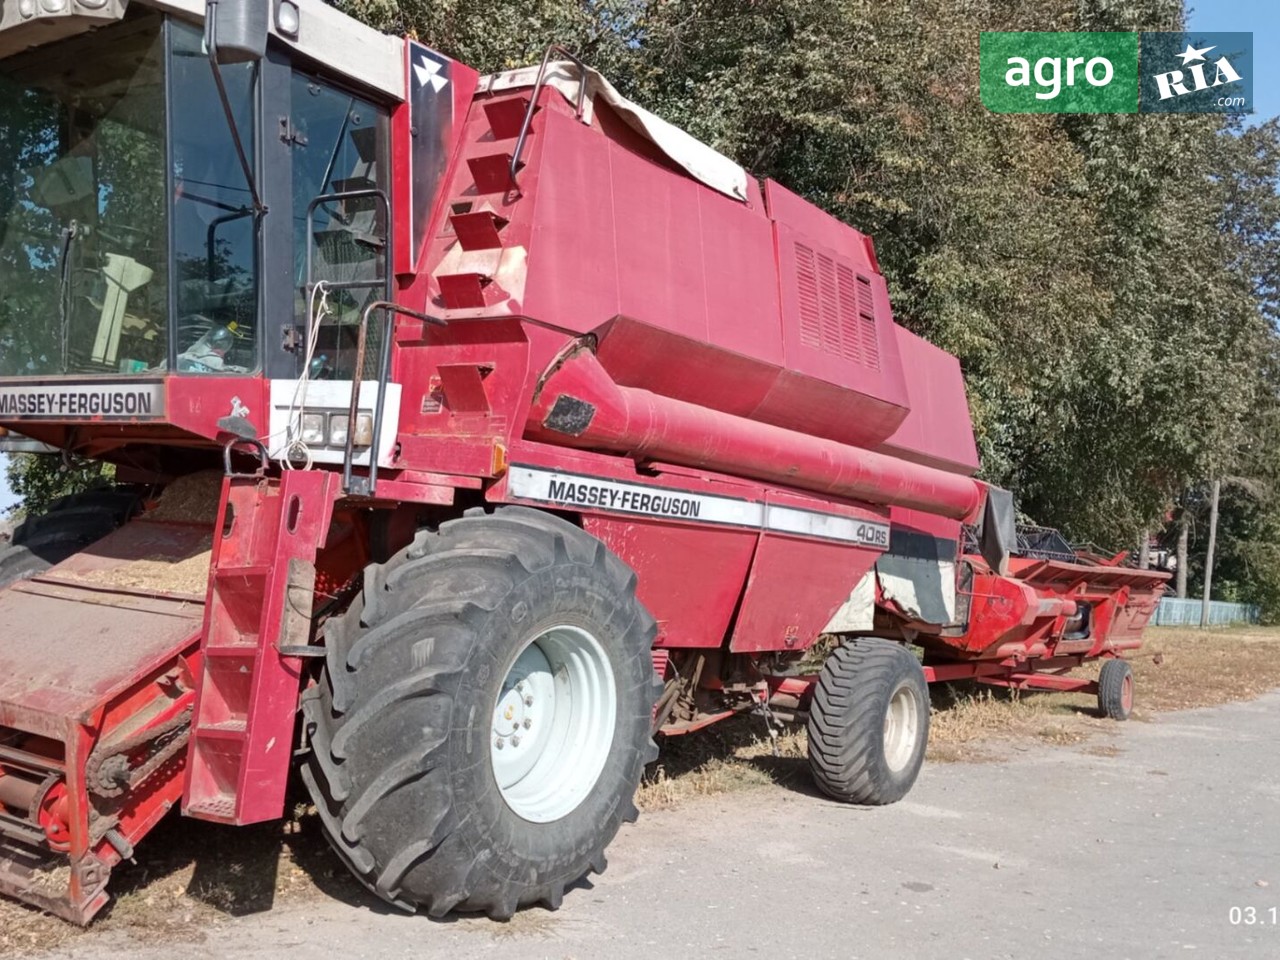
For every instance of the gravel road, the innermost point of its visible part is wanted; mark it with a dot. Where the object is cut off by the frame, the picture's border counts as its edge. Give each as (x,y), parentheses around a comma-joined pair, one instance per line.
(1060,852)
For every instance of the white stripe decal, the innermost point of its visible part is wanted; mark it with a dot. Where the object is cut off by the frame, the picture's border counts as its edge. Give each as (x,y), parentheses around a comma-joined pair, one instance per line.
(574,490)
(828,526)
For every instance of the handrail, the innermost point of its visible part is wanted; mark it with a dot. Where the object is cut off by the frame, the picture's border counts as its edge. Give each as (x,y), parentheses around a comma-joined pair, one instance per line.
(533,103)
(367,486)
(376,193)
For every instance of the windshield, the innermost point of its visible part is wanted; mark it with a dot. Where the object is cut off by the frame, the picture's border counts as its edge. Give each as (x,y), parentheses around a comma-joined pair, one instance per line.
(83,227)
(93,261)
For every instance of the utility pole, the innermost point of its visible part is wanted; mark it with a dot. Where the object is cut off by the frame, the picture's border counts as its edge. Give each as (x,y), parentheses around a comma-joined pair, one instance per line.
(1183,527)
(1208,556)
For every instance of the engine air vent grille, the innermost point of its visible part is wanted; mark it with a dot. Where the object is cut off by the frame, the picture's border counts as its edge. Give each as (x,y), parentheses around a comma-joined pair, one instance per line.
(867,323)
(837,308)
(810,297)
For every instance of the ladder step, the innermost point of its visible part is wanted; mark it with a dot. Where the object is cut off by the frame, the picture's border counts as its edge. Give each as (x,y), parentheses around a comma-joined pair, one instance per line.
(478,231)
(217,807)
(492,172)
(505,116)
(251,570)
(245,651)
(226,730)
(462,290)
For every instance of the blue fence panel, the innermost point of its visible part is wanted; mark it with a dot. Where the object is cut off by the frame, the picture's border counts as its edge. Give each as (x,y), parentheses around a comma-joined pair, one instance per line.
(1173,612)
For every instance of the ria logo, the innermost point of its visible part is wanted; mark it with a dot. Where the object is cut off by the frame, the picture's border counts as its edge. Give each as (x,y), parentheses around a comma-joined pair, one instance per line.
(1173,83)
(1197,72)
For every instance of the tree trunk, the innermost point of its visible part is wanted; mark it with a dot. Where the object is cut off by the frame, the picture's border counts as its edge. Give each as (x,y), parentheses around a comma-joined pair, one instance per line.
(1184,526)
(1144,550)
(1208,556)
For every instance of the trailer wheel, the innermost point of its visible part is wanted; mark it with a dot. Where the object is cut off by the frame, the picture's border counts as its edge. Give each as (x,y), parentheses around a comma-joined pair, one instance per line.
(483,719)
(869,722)
(1115,690)
(71,523)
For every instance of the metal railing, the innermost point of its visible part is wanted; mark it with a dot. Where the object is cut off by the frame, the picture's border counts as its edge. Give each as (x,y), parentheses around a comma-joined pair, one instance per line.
(1174,612)
(368,486)
(514,169)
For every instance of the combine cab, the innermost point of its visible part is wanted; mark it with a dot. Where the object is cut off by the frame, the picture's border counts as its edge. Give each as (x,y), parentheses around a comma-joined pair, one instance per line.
(471,431)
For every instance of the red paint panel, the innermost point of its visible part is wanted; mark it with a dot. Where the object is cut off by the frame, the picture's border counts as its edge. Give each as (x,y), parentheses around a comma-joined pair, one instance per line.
(197,403)
(937,431)
(639,355)
(573,259)
(797,213)
(658,235)
(742,295)
(921,522)
(795,586)
(690,578)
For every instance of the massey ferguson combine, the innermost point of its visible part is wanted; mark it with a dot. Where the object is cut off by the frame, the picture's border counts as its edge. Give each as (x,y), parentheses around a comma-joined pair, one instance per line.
(470,432)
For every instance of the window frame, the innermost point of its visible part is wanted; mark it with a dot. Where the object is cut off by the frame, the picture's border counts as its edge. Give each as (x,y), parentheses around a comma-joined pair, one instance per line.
(279,283)
(255,159)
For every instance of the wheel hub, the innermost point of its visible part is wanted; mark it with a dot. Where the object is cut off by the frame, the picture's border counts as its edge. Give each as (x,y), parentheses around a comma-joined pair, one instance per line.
(901,728)
(553,724)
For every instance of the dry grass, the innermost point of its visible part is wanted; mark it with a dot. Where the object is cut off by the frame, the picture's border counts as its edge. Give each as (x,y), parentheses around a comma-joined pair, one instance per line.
(1177,669)
(736,754)
(1180,668)
(191,876)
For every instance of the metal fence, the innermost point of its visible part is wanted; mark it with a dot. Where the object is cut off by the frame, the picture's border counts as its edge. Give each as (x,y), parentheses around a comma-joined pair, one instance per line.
(1173,612)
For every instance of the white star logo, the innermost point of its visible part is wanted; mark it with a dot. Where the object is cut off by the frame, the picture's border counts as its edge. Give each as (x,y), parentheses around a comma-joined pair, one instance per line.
(428,71)
(1191,53)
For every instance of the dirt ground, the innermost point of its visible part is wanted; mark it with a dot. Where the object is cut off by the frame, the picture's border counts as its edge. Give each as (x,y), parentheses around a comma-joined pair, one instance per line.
(190,876)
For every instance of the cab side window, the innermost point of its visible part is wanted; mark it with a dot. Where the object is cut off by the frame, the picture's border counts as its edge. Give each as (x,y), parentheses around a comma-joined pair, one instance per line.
(339,146)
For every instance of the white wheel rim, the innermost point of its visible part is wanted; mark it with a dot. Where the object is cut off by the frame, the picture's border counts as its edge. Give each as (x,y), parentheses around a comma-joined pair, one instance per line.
(553,724)
(901,728)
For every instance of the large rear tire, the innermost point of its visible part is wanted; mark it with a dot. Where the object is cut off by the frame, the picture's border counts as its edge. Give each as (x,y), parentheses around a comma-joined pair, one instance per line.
(69,525)
(484,716)
(869,722)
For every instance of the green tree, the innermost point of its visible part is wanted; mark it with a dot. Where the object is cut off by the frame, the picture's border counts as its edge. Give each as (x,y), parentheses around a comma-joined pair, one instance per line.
(40,479)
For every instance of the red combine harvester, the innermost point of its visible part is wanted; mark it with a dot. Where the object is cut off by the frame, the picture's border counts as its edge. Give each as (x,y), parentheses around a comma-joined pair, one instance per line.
(470,431)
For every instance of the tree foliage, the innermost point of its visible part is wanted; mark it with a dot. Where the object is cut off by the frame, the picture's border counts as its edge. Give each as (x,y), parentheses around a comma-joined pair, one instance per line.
(38,479)
(1111,284)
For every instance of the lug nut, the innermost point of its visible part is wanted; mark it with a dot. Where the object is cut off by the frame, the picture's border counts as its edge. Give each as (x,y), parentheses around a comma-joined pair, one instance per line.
(500,743)
(528,723)
(515,741)
(528,701)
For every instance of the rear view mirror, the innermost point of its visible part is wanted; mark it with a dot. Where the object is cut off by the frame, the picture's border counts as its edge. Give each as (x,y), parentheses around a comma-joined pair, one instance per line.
(238,29)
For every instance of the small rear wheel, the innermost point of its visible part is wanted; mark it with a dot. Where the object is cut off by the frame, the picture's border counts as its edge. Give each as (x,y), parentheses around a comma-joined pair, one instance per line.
(869,722)
(1115,690)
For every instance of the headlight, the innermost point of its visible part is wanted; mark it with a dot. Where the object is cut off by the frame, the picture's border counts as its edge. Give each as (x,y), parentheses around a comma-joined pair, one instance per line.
(338,430)
(364,430)
(313,429)
(338,424)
